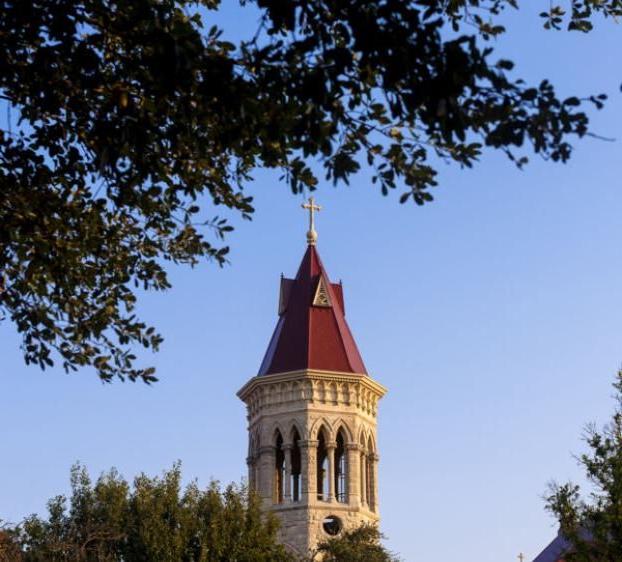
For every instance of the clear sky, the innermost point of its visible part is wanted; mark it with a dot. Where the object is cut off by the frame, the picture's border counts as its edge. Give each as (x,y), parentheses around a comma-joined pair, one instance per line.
(492,315)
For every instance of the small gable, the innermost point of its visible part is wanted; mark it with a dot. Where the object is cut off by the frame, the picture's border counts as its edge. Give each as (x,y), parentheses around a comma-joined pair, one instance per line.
(338,292)
(321,297)
(286,289)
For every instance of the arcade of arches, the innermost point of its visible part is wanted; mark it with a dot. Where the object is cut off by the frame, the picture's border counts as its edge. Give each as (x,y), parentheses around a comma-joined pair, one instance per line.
(333,469)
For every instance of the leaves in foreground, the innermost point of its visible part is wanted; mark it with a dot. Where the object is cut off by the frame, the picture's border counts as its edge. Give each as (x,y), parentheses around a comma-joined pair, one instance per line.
(133,131)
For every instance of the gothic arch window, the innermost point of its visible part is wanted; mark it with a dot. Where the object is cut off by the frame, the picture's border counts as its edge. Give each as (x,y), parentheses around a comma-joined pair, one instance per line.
(322,466)
(295,466)
(341,469)
(279,468)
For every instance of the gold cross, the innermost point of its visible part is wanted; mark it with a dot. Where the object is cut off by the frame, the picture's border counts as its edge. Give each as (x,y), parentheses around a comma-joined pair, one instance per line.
(521,557)
(311,233)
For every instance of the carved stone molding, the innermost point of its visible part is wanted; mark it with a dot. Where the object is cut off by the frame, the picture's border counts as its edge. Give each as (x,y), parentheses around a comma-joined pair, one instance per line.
(332,389)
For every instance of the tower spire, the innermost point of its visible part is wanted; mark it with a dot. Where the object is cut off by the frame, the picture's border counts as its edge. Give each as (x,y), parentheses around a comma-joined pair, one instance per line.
(311,412)
(311,233)
(312,331)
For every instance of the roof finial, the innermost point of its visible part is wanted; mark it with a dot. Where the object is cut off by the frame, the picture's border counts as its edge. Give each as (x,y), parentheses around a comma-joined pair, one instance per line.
(311,233)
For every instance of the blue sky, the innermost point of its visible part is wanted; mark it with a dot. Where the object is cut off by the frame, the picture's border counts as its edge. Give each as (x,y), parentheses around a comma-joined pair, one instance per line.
(492,315)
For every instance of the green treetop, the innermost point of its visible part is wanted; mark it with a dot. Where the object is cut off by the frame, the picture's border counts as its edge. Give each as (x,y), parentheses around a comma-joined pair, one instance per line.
(592,522)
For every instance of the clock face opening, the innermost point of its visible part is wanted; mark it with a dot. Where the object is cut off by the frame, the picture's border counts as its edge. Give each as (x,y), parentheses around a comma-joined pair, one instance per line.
(332,525)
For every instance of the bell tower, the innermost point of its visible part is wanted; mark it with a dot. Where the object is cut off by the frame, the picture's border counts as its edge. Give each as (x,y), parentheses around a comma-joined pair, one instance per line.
(312,408)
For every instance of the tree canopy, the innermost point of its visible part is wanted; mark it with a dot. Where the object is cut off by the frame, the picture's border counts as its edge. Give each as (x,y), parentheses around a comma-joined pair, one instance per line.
(133,125)
(357,545)
(592,523)
(154,519)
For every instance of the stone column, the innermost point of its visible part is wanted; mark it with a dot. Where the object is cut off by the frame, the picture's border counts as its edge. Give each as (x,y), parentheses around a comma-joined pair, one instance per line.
(330,450)
(250,463)
(287,484)
(308,473)
(353,476)
(267,463)
(363,465)
(374,463)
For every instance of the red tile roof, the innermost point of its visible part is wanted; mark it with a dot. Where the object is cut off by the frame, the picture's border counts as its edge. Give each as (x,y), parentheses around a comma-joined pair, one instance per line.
(308,335)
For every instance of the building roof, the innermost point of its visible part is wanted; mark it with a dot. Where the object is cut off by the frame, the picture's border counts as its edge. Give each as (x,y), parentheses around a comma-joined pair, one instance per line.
(555,551)
(311,332)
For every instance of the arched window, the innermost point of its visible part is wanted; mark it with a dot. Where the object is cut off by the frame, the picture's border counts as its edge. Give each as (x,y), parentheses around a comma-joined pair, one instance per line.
(341,476)
(296,465)
(279,468)
(322,467)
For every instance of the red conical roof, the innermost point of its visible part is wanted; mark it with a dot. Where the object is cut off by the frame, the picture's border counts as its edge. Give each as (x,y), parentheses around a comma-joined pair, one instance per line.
(312,332)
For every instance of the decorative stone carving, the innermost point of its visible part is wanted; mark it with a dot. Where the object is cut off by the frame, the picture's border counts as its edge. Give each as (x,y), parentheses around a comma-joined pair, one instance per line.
(311,401)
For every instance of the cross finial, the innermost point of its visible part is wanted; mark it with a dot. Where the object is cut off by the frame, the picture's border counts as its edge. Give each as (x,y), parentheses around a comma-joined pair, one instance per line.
(311,233)
(521,557)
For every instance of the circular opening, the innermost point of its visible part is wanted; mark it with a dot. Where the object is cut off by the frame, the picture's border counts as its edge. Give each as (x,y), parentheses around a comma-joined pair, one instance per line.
(332,525)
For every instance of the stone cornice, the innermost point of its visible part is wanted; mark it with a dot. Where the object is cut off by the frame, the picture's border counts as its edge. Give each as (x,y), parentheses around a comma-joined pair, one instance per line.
(304,410)
(331,376)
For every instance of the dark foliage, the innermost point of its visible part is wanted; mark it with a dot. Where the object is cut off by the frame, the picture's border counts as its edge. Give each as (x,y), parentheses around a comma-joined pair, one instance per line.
(359,545)
(131,121)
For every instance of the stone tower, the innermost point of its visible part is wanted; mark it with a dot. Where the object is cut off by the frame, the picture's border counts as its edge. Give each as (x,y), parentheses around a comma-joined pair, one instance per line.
(312,454)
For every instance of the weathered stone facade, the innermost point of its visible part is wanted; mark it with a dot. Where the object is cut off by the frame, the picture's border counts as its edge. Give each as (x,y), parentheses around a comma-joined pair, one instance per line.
(297,416)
